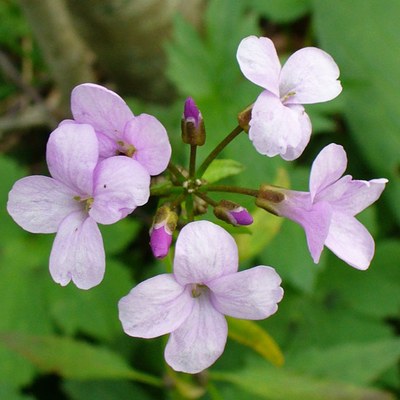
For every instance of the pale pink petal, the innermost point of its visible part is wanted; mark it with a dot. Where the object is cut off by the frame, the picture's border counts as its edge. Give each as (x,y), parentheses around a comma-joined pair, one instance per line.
(259,62)
(309,76)
(276,129)
(350,241)
(314,218)
(78,252)
(327,168)
(102,108)
(199,341)
(155,307)
(249,294)
(107,147)
(39,203)
(72,154)
(150,139)
(120,185)
(204,251)
(353,196)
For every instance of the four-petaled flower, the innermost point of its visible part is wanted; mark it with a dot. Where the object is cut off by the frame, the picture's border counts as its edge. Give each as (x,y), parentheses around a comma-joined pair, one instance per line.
(81,193)
(327,211)
(141,137)
(190,304)
(279,124)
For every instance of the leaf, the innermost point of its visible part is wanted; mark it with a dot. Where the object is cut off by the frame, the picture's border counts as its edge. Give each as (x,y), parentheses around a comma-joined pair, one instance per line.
(254,336)
(280,384)
(73,359)
(263,229)
(9,393)
(359,363)
(220,169)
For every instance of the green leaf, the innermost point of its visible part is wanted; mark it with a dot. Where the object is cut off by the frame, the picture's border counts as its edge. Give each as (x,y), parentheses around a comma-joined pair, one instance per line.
(9,393)
(220,169)
(73,359)
(258,339)
(359,363)
(280,384)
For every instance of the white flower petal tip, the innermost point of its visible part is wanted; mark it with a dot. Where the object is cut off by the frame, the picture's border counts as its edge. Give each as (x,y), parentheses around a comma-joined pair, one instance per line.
(190,304)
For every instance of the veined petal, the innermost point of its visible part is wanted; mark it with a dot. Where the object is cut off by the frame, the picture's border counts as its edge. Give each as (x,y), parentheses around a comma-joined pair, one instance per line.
(249,294)
(120,185)
(350,241)
(309,76)
(204,251)
(102,108)
(155,307)
(72,154)
(327,168)
(259,62)
(353,196)
(199,341)
(107,147)
(39,203)
(150,139)
(276,129)
(78,252)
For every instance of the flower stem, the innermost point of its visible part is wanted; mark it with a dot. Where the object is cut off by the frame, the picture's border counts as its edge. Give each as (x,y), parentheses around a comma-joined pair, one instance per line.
(203,167)
(192,162)
(175,171)
(206,198)
(229,189)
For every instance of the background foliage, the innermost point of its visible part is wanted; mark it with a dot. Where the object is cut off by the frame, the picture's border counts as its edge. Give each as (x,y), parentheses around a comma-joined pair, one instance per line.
(338,328)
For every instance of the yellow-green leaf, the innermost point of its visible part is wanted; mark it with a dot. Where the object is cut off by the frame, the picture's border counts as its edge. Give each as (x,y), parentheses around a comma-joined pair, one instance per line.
(251,334)
(220,169)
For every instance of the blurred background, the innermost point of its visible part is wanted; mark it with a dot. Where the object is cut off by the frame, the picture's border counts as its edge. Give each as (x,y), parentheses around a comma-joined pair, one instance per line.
(338,328)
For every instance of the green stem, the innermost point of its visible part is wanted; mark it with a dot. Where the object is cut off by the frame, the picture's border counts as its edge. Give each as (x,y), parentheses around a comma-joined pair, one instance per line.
(206,198)
(229,189)
(147,379)
(192,162)
(175,171)
(165,190)
(178,200)
(190,208)
(218,150)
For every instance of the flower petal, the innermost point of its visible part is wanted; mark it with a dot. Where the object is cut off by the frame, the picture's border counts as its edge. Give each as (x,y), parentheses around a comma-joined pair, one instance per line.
(276,129)
(309,76)
(204,251)
(78,252)
(120,185)
(39,203)
(150,139)
(199,341)
(350,241)
(327,168)
(102,108)
(259,62)
(72,154)
(155,307)
(249,294)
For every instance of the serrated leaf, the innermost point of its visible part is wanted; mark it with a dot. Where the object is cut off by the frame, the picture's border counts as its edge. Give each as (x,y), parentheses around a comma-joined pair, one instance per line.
(280,384)
(72,359)
(258,339)
(221,169)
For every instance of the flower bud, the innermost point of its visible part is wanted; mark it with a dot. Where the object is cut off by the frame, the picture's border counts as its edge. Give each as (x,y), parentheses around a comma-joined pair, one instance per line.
(161,232)
(232,213)
(193,130)
(269,198)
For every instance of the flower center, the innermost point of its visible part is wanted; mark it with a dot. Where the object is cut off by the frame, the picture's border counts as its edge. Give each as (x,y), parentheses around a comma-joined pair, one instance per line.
(198,289)
(127,149)
(287,96)
(87,202)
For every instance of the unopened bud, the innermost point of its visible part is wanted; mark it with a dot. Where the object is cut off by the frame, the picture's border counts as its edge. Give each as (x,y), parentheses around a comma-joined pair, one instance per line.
(161,232)
(193,130)
(232,213)
(269,198)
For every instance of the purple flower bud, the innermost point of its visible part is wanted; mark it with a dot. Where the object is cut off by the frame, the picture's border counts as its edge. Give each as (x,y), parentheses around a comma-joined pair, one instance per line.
(232,213)
(193,131)
(161,232)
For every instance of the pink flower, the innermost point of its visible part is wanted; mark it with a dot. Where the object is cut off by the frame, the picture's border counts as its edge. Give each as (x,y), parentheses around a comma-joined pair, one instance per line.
(327,212)
(190,304)
(141,137)
(80,194)
(279,124)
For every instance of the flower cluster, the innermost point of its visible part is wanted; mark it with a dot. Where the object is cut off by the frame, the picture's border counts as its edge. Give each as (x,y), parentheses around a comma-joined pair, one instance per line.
(101,163)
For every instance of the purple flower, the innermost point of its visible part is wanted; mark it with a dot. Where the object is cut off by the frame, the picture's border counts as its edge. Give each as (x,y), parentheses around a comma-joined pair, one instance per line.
(190,304)
(327,212)
(141,137)
(279,124)
(80,194)
(232,213)
(193,129)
